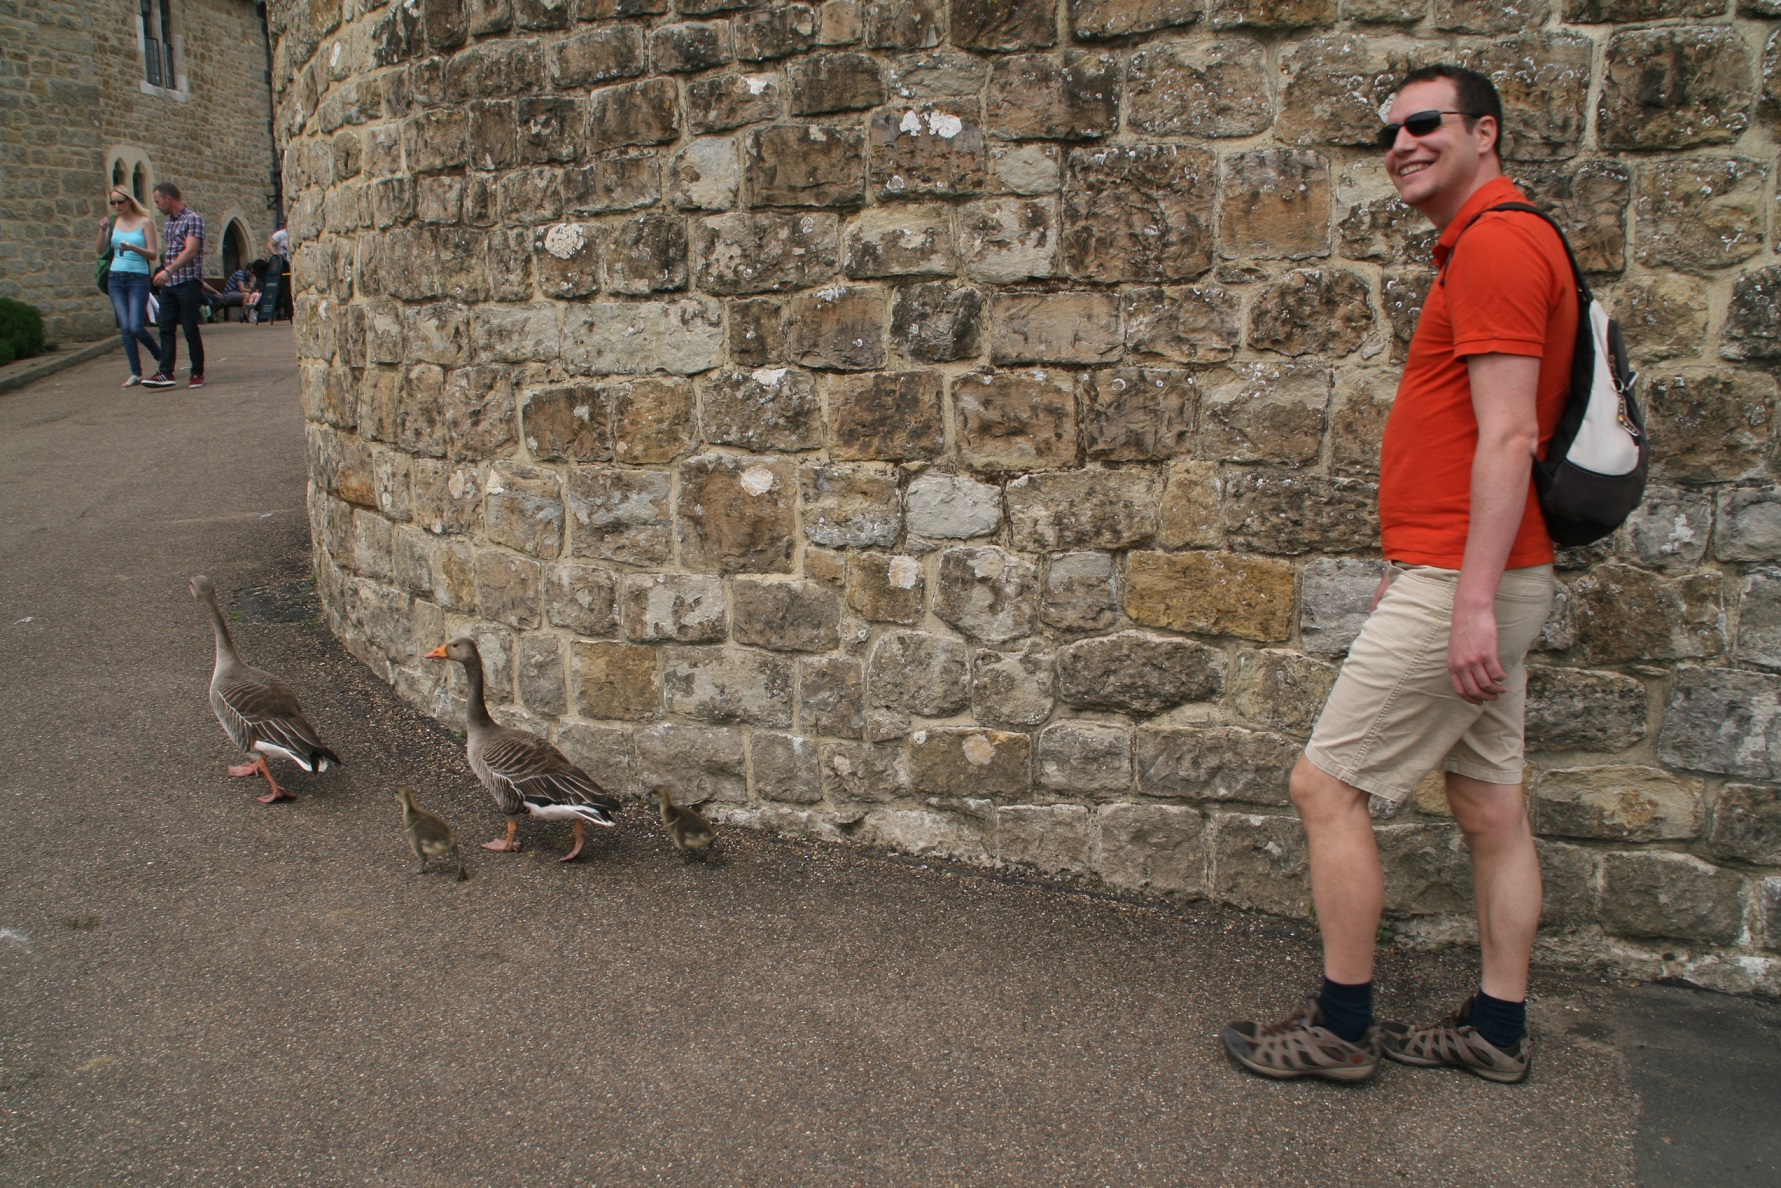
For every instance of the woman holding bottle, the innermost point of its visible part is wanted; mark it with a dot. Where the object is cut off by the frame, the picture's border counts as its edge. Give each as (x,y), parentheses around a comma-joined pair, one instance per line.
(130,234)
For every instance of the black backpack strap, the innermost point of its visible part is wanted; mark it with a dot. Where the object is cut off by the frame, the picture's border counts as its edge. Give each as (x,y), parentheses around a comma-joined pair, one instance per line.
(1576,271)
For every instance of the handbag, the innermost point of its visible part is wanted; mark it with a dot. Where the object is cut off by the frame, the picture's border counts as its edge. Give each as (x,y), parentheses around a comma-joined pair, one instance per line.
(101,273)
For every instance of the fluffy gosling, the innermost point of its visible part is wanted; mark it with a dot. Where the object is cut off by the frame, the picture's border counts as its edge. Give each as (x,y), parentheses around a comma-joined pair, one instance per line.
(691,833)
(428,836)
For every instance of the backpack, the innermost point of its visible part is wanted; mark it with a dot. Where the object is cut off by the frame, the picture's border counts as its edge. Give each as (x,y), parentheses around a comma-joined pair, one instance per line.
(1593,475)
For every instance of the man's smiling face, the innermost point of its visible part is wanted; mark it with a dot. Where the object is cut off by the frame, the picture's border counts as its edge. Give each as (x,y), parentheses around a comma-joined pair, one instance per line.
(1441,169)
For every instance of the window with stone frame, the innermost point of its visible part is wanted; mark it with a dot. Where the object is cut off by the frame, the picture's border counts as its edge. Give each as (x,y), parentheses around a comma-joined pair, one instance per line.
(159,45)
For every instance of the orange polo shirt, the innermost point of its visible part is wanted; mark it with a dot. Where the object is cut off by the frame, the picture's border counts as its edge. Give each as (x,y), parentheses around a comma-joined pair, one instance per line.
(1510,292)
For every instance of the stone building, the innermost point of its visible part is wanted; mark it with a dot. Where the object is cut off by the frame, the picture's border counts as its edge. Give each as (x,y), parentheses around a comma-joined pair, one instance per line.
(952,425)
(127,92)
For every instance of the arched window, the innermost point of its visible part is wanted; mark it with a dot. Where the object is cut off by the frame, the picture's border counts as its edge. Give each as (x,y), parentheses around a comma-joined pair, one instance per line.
(139,185)
(117,174)
(235,249)
(158,43)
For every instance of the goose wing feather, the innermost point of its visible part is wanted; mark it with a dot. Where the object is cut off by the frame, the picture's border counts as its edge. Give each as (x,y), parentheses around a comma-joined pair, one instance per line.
(529,771)
(255,706)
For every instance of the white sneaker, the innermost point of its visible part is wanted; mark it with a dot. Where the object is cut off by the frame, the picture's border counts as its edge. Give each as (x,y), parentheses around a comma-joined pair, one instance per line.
(132,381)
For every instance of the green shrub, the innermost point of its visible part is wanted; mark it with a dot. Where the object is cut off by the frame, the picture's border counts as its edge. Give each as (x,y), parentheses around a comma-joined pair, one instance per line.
(21,330)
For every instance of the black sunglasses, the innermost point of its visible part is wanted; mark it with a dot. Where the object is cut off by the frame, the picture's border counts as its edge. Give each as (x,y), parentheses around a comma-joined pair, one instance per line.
(116,202)
(1420,124)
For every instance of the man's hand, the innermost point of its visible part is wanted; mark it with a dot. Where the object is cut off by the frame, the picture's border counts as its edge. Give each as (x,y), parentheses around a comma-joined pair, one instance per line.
(1472,655)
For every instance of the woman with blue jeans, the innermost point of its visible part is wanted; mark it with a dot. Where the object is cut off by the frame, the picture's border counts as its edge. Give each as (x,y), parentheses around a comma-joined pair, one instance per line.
(131,237)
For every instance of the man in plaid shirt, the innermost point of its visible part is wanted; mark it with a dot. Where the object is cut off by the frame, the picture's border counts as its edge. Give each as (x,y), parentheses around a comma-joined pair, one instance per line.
(181,284)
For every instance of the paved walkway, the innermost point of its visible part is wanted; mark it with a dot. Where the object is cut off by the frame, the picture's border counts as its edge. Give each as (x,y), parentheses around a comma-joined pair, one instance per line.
(198,989)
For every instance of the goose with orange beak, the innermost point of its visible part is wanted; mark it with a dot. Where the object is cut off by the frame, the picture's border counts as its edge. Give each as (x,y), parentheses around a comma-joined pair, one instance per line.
(527,776)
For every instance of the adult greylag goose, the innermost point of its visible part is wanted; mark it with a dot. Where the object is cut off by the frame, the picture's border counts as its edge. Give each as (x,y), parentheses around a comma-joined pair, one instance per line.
(428,836)
(528,776)
(690,832)
(258,711)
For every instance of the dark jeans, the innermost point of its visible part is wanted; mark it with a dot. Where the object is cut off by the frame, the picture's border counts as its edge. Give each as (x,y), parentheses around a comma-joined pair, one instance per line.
(179,307)
(129,301)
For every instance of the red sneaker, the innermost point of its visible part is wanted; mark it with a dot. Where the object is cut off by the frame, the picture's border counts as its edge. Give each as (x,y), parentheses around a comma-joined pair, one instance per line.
(197,380)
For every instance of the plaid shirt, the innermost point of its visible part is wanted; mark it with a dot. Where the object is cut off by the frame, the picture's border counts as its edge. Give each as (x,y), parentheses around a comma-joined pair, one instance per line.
(187,222)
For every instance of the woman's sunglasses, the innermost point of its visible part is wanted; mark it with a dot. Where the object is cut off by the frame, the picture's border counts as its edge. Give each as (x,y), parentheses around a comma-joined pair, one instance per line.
(1420,124)
(116,202)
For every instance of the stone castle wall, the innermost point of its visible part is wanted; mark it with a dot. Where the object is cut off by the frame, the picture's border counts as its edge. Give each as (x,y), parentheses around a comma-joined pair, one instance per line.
(71,92)
(953,426)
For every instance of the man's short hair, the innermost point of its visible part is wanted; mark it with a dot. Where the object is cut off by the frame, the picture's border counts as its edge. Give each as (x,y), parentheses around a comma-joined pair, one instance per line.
(172,191)
(1476,94)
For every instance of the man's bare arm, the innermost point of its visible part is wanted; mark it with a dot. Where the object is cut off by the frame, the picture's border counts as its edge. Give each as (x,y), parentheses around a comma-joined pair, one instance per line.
(1504,398)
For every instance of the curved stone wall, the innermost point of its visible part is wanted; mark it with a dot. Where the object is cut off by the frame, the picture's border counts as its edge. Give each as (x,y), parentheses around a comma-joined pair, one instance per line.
(952,426)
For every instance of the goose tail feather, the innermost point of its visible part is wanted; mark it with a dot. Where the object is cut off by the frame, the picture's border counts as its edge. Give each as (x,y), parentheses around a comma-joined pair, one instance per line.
(589,813)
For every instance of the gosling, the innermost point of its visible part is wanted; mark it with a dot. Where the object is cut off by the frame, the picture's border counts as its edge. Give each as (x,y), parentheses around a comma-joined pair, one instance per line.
(428,836)
(691,833)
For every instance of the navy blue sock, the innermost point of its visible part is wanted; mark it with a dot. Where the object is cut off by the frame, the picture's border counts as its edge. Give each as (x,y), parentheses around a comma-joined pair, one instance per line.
(1502,1023)
(1347,1010)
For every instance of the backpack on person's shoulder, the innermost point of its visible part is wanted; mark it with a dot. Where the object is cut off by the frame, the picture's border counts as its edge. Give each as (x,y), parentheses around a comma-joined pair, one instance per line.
(1593,475)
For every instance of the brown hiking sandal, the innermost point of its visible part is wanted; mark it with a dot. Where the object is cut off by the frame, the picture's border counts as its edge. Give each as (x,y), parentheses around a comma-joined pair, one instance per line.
(1301,1046)
(1454,1042)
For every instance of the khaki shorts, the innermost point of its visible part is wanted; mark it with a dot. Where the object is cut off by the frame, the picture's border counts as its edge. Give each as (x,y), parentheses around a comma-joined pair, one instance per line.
(1393,716)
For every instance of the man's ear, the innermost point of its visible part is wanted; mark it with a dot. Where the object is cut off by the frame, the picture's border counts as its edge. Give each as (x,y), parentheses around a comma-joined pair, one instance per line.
(1488,132)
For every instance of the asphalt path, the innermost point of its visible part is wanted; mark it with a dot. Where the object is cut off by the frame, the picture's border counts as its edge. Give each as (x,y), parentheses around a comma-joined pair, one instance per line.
(199,989)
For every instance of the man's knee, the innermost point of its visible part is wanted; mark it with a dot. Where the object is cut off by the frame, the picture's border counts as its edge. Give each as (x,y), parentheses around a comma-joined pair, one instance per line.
(1318,795)
(1486,810)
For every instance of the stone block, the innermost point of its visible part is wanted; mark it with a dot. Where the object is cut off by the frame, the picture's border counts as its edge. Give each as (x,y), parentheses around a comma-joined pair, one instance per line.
(726,685)
(1749,525)
(1623,803)
(1136,673)
(538,671)
(509,588)
(952,507)
(1759,619)
(1013,688)
(1212,88)
(834,82)
(769,408)
(523,509)
(1747,828)
(1016,420)
(652,418)
(690,47)
(831,695)
(764,252)
(454,576)
(929,150)
(1080,326)
(1211,594)
(864,773)
(920,673)
(646,254)
(705,175)
(621,515)
(697,764)
(566,257)
(1080,592)
(634,337)
(725,101)
(784,767)
(1770,893)
(1664,316)
(841,327)
(1427,870)
(646,112)
(1264,412)
(806,165)
(900,24)
(851,505)
(920,832)
(566,423)
(1286,513)
(1052,839)
(962,761)
(1715,427)
(1373,224)
(887,416)
(1723,720)
(605,753)
(1215,763)
(1625,614)
(1045,97)
(1152,848)
(620,180)
(757,332)
(736,514)
(987,593)
(1138,213)
(1291,14)
(1335,600)
(1000,25)
(1134,414)
(1082,509)
(937,323)
(1542,80)
(885,587)
(1275,205)
(891,241)
(681,607)
(1669,530)
(1312,311)
(937,75)
(1085,758)
(1569,873)
(777,32)
(1674,86)
(1279,689)
(615,681)
(1575,709)
(1201,323)
(1009,239)
(1260,863)
(794,616)
(581,598)
(1189,516)
(596,55)
(1675,896)
(1337,86)
(1700,214)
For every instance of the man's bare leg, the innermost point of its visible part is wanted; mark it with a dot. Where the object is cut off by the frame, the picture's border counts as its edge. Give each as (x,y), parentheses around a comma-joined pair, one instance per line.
(1347,881)
(1505,879)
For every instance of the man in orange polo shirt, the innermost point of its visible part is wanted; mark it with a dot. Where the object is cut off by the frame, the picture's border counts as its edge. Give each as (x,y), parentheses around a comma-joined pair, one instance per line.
(1437,678)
